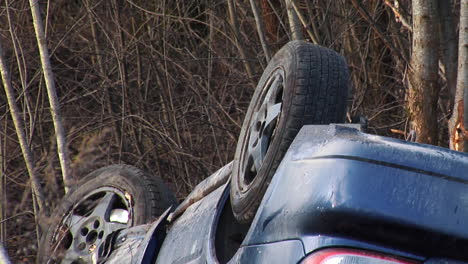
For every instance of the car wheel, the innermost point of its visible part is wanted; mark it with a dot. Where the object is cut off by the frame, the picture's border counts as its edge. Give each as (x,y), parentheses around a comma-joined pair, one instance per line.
(303,84)
(107,200)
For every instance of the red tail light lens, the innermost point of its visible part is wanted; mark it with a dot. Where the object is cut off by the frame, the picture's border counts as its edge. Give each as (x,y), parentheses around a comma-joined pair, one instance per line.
(352,256)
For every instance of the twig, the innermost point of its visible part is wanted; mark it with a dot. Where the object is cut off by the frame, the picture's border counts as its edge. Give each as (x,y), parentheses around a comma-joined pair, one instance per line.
(399,16)
(277,14)
(260,30)
(357,4)
(239,45)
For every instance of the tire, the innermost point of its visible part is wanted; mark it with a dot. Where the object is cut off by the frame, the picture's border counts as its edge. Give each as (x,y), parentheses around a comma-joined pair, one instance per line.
(303,84)
(105,201)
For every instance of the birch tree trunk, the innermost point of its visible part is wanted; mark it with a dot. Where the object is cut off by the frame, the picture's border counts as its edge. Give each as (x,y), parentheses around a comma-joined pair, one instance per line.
(423,76)
(294,24)
(37,192)
(458,121)
(462,81)
(3,198)
(52,94)
(449,51)
(3,255)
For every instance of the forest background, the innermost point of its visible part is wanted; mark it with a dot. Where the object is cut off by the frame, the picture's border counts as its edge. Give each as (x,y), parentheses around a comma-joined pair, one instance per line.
(164,85)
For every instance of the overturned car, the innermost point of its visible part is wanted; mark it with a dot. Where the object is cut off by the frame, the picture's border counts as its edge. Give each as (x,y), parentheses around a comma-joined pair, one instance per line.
(303,188)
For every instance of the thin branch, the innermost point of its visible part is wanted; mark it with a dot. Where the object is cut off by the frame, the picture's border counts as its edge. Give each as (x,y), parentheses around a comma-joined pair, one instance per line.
(260,30)
(398,14)
(363,12)
(239,45)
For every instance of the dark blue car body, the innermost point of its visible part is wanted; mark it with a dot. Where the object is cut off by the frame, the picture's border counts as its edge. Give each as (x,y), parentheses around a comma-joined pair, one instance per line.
(335,187)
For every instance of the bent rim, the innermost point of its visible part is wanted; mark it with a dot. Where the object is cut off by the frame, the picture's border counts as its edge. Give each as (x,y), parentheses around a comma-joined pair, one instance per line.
(83,233)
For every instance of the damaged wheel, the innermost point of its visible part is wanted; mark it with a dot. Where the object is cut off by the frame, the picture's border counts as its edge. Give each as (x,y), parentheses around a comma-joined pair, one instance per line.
(107,200)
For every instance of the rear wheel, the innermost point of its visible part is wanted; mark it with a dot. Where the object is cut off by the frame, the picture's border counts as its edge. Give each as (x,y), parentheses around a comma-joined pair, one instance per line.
(303,84)
(107,200)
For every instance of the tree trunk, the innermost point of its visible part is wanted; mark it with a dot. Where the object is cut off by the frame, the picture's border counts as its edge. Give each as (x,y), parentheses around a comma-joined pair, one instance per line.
(458,122)
(462,81)
(423,76)
(4,256)
(449,52)
(37,192)
(3,198)
(304,22)
(294,24)
(448,46)
(52,94)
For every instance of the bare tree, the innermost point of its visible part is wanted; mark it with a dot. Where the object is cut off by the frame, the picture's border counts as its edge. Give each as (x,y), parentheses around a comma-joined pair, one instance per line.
(294,24)
(423,76)
(462,80)
(448,45)
(449,52)
(304,22)
(3,200)
(51,92)
(458,120)
(37,192)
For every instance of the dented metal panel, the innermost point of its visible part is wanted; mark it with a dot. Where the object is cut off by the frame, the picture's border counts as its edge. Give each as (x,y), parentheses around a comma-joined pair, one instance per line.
(204,188)
(188,238)
(139,244)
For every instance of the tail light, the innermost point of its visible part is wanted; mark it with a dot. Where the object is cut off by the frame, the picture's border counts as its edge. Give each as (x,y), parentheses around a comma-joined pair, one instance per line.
(352,256)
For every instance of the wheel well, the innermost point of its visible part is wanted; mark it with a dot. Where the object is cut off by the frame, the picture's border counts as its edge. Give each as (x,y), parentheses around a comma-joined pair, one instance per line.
(229,234)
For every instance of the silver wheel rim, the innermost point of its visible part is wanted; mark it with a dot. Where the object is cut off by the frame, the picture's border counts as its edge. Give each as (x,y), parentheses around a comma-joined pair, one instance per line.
(261,130)
(83,232)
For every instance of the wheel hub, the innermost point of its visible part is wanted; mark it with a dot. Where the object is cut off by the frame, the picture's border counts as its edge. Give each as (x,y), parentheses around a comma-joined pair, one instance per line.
(90,235)
(262,127)
(88,225)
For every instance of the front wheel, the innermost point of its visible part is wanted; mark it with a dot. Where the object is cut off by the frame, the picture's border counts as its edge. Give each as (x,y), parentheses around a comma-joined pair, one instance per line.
(303,84)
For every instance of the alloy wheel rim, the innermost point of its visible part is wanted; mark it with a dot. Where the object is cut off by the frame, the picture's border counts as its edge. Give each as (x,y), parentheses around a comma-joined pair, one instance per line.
(262,128)
(83,233)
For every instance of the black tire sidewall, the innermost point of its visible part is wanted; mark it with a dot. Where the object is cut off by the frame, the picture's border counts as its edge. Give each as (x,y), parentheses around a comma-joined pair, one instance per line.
(283,60)
(246,198)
